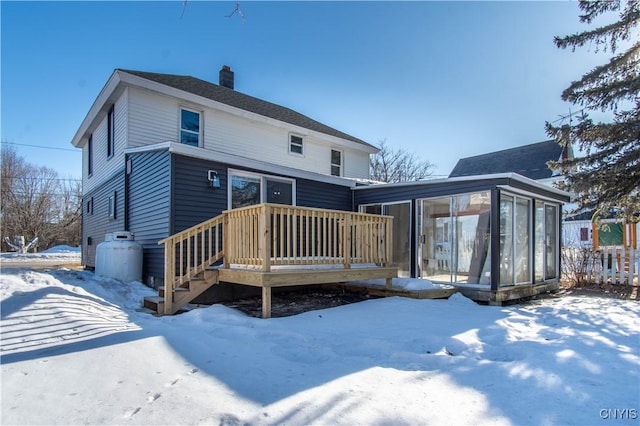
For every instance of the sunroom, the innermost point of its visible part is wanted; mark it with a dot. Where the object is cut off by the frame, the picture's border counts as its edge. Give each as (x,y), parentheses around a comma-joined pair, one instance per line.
(495,237)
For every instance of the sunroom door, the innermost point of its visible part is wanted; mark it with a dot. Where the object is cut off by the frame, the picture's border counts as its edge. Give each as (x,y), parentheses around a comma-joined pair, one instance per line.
(401,213)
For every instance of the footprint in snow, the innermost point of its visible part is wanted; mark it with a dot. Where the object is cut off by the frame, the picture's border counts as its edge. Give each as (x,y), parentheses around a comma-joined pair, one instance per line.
(168,385)
(132,412)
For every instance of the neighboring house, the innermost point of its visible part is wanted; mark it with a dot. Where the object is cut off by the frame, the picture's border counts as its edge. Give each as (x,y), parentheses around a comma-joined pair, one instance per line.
(162,153)
(527,160)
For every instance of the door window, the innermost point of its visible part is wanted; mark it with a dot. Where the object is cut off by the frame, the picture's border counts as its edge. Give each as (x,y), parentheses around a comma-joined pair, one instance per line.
(248,189)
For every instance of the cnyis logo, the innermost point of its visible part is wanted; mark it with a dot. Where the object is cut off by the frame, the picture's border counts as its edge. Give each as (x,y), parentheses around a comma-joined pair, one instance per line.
(619,414)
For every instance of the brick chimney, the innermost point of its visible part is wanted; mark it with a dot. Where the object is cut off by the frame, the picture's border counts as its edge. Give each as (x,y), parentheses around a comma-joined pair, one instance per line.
(226,77)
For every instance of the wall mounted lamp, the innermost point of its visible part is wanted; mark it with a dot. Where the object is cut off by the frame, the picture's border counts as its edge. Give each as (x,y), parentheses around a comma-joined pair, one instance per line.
(214,180)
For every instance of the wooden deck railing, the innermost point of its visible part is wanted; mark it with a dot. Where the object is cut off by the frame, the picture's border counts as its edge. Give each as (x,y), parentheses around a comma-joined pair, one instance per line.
(267,235)
(190,252)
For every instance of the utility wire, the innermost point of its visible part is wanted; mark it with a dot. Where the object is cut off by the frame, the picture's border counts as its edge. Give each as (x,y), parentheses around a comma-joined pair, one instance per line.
(43,147)
(39,178)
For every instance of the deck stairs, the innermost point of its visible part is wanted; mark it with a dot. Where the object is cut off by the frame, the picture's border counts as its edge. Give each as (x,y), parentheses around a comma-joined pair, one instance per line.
(183,294)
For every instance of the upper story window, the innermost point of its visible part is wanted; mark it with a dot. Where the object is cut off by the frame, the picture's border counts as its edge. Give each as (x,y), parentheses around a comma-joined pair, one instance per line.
(110,133)
(190,127)
(90,156)
(296,144)
(336,162)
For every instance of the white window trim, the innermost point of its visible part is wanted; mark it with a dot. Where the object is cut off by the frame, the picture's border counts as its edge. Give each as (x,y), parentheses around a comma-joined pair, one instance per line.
(263,187)
(302,145)
(111,132)
(200,125)
(112,205)
(341,165)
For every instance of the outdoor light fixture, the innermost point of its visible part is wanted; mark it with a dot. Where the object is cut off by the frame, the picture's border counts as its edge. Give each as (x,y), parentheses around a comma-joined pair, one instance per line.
(214,180)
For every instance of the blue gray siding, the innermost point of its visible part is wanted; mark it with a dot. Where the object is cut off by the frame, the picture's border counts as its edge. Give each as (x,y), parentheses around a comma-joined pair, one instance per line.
(96,225)
(194,200)
(149,201)
(323,195)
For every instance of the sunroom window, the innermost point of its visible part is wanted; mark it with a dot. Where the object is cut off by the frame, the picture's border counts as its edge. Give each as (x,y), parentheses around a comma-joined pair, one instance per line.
(455,238)
(190,127)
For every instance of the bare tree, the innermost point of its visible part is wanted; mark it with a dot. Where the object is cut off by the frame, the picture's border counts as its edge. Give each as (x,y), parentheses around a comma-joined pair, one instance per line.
(397,165)
(37,203)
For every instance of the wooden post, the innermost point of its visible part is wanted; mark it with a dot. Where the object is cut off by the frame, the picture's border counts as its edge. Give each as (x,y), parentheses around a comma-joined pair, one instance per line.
(346,238)
(169,275)
(266,302)
(389,283)
(265,237)
(225,241)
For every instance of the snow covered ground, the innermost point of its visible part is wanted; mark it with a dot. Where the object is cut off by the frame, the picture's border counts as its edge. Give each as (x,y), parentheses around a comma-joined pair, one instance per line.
(59,255)
(75,350)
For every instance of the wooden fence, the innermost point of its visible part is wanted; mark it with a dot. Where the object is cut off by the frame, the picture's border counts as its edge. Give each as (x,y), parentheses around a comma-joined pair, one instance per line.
(615,265)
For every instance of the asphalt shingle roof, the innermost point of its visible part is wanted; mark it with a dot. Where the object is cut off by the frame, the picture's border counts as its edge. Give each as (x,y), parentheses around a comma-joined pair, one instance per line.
(240,100)
(528,160)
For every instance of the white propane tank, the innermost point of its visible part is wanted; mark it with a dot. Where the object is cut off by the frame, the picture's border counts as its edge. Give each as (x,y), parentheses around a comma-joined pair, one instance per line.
(119,257)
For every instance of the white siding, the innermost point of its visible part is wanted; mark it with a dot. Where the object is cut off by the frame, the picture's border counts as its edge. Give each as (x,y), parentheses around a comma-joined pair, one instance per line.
(154,118)
(104,167)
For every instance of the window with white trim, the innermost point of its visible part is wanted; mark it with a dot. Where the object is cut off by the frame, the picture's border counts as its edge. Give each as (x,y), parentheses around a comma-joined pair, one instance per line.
(90,156)
(336,162)
(110,133)
(190,127)
(90,206)
(296,144)
(112,206)
(247,189)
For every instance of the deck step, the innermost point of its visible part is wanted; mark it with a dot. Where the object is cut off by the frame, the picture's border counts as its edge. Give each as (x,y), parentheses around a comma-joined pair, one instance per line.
(154,303)
(176,290)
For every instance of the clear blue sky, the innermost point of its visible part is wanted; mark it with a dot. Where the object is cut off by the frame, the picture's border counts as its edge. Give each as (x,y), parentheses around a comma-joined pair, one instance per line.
(442,79)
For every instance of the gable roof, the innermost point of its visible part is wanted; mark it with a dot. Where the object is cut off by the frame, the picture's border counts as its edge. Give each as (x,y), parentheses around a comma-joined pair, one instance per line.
(239,100)
(528,160)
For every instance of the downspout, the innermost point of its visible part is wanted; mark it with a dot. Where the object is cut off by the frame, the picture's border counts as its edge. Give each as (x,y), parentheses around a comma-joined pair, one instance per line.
(127,172)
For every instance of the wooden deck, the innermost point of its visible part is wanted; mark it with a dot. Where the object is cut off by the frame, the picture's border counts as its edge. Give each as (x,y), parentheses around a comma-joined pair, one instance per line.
(270,245)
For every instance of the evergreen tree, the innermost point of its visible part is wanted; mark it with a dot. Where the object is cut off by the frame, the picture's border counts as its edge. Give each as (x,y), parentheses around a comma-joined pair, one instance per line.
(608,175)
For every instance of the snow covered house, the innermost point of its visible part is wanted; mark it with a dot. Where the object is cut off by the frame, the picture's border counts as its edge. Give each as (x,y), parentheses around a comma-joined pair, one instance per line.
(205,175)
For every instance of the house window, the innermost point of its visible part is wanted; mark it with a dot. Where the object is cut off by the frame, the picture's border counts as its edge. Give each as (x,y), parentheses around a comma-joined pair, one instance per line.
(189,127)
(110,133)
(112,206)
(90,206)
(584,234)
(296,144)
(248,189)
(336,162)
(90,156)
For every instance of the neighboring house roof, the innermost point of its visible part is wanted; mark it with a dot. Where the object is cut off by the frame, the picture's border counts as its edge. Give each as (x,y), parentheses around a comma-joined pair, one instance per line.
(528,160)
(240,100)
